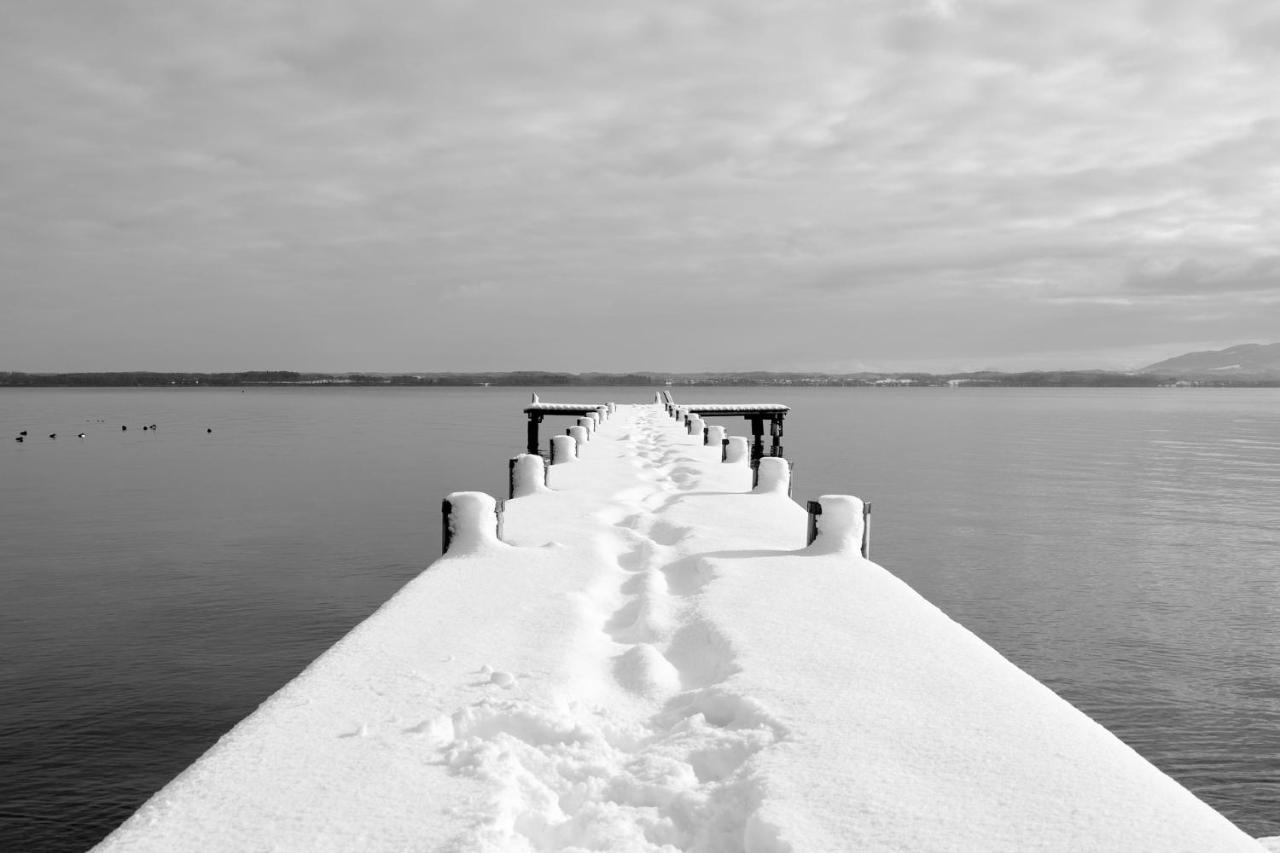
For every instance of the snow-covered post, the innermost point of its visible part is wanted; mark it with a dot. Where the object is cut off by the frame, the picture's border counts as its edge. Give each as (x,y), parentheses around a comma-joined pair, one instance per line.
(580,436)
(470,520)
(713,436)
(563,449)
(772,474)
(695,425)
(587,424)
(526,475)
(603,412)
(736,449)
(596,421)
(613,407)
(842,521)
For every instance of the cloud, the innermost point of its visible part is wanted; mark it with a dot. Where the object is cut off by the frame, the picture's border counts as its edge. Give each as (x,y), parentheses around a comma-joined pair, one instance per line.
(1017,169)
(1191,277)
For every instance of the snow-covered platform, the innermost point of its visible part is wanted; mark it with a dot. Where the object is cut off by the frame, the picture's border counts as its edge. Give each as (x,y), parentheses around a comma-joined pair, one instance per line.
(654,660)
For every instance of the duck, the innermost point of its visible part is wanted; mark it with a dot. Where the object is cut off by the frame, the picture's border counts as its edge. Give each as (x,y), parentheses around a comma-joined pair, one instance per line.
(24,432)
(80,435)
(18,438)
(53,435)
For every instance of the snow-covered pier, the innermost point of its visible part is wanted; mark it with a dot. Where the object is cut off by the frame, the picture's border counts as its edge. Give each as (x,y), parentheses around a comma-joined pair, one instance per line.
(651,658)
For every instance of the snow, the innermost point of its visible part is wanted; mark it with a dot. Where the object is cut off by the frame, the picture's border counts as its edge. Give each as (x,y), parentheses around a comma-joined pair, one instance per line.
(564,448)
(529,474)
(653,660)
(773,476)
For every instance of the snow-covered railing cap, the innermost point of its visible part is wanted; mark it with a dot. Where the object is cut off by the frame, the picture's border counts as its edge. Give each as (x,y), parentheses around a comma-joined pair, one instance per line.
(735,408)
(696,426)
(713,436)
(562,408)
(471,521)
(736,449)
(528,474)
(579,434)
(840,524)
(563,449)
(773,475)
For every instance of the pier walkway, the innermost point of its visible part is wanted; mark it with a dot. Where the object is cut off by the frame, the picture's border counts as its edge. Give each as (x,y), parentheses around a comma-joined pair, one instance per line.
(653,659)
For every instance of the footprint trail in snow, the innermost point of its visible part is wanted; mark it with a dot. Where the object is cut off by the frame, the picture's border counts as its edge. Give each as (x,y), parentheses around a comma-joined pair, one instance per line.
(667,764)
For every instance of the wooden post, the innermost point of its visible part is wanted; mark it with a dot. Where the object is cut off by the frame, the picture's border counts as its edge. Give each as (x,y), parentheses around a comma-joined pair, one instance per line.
(446,518)
(866,530)
(446,530)
(775,428)
(757,436)
(520,483)
(563,449)
(532,443)
(815,510)
(724,450)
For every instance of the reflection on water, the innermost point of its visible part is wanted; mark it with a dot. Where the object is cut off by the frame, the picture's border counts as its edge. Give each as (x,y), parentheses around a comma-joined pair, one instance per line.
(1120,545)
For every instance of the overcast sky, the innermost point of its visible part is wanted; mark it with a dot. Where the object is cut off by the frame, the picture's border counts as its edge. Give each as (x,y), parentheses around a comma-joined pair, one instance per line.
(749,184)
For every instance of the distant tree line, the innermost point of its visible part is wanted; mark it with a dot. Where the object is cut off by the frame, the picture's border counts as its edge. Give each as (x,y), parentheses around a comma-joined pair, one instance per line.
(531,378)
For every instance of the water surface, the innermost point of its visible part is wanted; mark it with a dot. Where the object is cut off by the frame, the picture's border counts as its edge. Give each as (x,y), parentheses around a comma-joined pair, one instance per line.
(1118,544)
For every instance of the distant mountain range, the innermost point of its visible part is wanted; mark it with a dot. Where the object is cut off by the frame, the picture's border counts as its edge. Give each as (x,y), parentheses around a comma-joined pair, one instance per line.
(1244,365)
(1246,361)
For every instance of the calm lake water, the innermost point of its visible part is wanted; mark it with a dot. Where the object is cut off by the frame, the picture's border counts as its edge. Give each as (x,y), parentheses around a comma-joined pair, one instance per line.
(1123,546)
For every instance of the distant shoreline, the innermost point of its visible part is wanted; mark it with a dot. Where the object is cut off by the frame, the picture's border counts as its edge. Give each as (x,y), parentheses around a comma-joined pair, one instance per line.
(525,379)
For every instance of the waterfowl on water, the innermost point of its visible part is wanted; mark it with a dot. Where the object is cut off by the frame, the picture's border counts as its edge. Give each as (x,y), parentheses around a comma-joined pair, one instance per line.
(24,432)
(123,427)
(18,438)
(53,435)
(81,435)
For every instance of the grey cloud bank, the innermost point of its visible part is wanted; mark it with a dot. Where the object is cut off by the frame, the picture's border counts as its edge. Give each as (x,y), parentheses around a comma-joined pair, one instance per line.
(581,186)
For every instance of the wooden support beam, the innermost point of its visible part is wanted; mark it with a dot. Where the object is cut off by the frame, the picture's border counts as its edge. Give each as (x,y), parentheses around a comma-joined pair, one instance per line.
(532,443)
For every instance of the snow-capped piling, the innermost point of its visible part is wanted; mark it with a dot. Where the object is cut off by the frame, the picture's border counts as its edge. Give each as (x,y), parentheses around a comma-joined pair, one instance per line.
(696,425)
(603,412)
(470,521)
(736,449)
(564,448)
(772,475)
(580,435)
(713,436)
(840,523)
(588,424)
(527,475)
